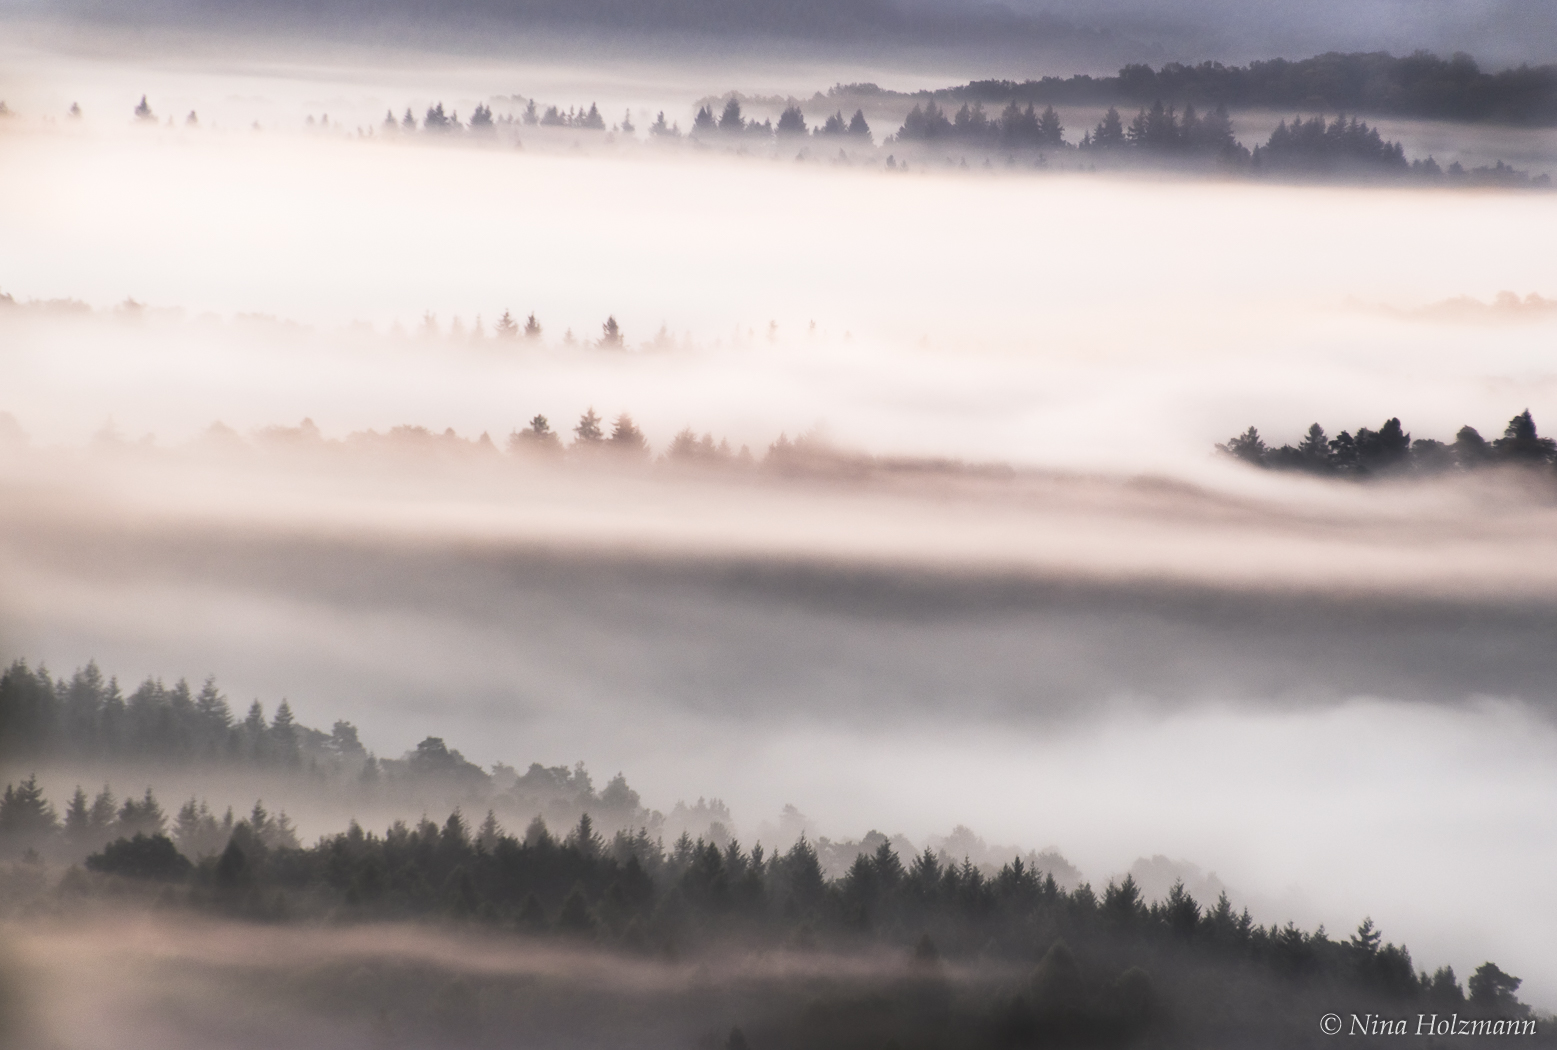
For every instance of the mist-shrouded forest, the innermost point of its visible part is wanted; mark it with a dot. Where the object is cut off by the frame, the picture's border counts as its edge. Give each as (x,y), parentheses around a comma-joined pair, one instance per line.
(915,525)
(861,940)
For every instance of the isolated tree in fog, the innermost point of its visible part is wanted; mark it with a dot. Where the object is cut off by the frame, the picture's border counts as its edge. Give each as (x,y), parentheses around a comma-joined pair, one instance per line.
(610,335)
(143,111)
(481,118)
(858,128)
(408,122)
(532,328)
(506,327)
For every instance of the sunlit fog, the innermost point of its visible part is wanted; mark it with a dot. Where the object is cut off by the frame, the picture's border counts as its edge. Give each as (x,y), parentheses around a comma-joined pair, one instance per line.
(843,488)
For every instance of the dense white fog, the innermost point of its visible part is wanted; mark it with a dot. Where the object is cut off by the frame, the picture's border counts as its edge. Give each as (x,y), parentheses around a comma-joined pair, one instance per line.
(1337,697)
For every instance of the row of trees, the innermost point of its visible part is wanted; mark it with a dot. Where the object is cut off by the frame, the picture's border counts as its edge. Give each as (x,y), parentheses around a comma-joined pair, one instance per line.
(89,716)
(30,825)
(1418,85)
(1162,129)
(732,125)
(1104,963)
(435,121)
(1390,450)
(1314,146)
(1015,128)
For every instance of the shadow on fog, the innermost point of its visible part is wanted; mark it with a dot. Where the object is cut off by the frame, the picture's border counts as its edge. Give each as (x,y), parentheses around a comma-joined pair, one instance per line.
(776,638)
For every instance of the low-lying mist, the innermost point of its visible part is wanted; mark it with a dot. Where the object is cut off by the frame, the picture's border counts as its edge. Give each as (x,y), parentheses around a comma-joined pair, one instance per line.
(1035,602)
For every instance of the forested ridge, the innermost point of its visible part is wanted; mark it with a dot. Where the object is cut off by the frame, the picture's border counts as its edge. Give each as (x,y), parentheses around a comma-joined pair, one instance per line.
(1421,84)
(1391,451)
(1007,957)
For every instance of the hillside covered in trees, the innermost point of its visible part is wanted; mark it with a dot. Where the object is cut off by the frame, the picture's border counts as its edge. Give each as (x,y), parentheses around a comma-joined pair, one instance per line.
(1009,959)
(1015,955)
(1391,451)
(1417,85)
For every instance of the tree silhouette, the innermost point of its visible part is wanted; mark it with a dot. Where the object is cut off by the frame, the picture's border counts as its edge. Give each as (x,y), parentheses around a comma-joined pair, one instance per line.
(730,121)
(792,122)
(1521,444)
(143,111)
(628,439)
(588,432)
(141,857)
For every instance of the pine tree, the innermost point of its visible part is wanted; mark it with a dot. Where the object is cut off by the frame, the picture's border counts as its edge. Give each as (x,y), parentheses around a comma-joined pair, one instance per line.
(731,121)
(587,432)
(792,122)
(78,818)
(25,814)
(1050,131)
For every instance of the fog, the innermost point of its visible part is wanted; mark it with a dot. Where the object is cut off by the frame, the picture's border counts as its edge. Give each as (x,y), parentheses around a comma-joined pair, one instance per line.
(1093,634)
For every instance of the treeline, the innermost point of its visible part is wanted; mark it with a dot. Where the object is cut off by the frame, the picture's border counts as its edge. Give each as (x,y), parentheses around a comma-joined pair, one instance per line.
(733,125)
(1312,147)
(1105,968)
(32,827)
(1390,451)
(1417,85)
(87,719)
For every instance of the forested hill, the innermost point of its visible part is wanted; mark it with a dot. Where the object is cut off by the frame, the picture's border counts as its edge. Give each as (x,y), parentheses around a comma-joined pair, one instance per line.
(1418,85)
(1011,960)
(1390,451)
(1007,956)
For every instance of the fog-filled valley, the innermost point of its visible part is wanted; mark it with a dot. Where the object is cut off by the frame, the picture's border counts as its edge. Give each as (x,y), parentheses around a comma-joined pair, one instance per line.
(872,548)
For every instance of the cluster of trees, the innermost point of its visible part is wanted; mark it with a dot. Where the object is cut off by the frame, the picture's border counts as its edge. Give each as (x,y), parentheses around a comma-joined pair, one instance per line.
(1390,450)
(30,825)
(87,716)
(623,440)
(1015,128)
(1162,129)
(1417,85)
(436,121)
(732,124)
(1317,146)
(1105,968)
(1305,147)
